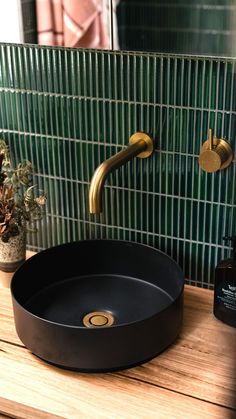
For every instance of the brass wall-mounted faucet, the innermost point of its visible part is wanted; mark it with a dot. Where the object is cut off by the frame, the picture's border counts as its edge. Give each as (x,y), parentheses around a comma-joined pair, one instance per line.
(216,154)
(140,145)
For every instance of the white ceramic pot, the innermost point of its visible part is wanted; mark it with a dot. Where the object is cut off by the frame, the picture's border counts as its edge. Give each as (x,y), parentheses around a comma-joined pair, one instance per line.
(13,252)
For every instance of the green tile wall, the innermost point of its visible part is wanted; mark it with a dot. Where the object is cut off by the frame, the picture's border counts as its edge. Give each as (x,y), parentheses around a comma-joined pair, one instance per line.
(179,26)
(67,110)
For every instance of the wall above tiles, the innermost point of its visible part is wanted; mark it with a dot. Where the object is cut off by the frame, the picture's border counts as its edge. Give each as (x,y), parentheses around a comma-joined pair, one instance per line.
(67,110)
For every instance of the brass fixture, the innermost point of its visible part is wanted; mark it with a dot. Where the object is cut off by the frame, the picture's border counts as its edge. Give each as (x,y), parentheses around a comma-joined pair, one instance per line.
(216,154)
(140,145)
(98,319)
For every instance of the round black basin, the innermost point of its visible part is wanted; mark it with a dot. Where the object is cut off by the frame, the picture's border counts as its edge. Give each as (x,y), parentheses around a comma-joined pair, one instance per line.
(98,305)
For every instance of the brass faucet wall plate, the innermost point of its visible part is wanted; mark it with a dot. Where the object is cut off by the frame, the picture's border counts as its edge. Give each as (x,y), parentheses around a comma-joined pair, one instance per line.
(135,138)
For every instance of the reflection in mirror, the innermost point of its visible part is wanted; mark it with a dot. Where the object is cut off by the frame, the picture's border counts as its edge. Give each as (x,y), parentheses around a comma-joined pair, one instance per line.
(70,23)
(18,21)
(73,23)
(200,27)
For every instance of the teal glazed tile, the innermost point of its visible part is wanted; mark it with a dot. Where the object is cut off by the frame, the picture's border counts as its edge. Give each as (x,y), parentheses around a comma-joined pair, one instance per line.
(68,110)
(4,112)
(6,67)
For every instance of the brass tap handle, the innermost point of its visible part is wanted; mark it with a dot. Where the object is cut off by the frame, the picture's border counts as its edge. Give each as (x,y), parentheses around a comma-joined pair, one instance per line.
(216,154)
(210,138)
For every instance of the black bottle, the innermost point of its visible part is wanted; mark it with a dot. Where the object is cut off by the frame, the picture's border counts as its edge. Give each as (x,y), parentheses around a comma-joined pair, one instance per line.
(225,288)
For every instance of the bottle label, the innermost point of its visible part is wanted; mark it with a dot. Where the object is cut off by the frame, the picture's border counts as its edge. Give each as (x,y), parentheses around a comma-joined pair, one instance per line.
(226,295)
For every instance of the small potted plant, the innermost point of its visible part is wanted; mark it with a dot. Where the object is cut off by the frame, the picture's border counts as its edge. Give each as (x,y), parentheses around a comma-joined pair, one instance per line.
(20,207)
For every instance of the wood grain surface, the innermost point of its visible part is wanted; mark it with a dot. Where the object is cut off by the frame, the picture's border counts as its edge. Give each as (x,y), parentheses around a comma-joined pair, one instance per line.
(5,277)
(194,378)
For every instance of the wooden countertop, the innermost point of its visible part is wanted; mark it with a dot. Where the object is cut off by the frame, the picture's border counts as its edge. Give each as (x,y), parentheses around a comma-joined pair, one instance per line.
(5,277)
(194,378)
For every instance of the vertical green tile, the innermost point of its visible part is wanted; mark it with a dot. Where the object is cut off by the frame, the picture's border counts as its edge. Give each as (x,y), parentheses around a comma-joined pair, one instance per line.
(68,110)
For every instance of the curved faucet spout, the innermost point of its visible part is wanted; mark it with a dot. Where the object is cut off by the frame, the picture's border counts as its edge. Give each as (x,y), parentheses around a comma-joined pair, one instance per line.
(140,145)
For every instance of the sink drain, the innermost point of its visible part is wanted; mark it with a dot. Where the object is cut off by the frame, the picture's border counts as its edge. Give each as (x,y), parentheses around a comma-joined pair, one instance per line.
(98,319)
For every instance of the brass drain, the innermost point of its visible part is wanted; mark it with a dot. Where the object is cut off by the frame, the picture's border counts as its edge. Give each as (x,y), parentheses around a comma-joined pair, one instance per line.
(98,319)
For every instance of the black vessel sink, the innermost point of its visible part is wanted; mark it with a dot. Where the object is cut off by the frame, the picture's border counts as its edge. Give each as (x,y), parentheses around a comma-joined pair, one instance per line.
(98,305)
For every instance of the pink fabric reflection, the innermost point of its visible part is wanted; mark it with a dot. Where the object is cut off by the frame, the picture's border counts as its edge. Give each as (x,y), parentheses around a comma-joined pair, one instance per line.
(73,23)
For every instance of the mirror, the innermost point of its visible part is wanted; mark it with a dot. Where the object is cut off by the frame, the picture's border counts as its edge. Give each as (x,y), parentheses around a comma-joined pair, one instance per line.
(198,27)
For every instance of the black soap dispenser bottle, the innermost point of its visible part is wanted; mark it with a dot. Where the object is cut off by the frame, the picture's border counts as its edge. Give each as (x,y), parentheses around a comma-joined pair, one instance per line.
(225,287)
